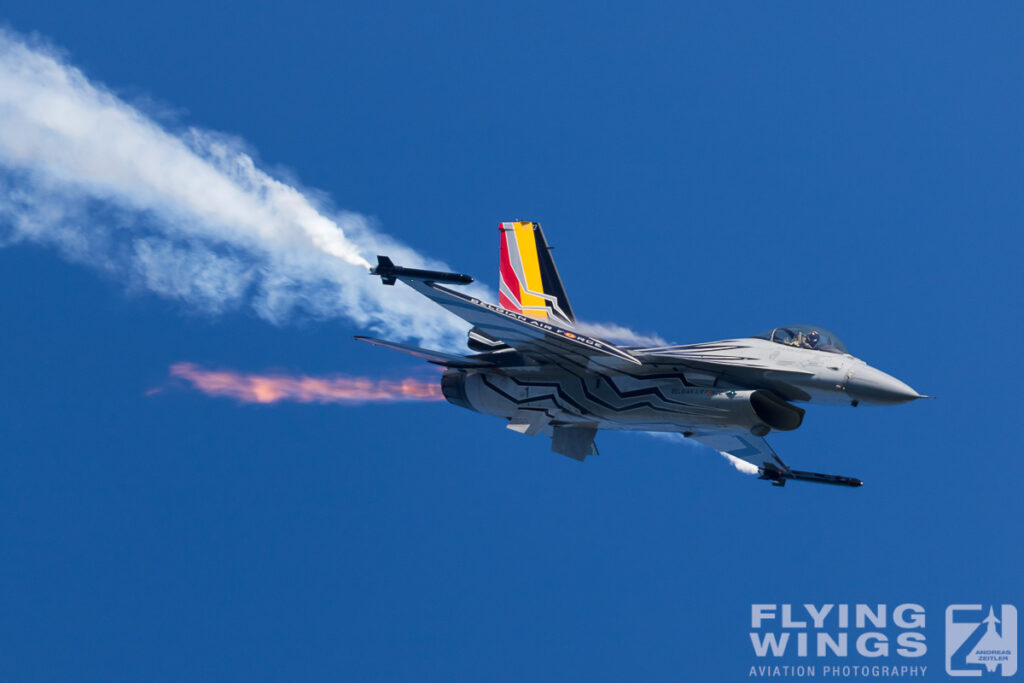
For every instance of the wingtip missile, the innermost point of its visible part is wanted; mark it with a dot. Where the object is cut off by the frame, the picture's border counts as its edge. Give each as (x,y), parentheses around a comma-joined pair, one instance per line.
(778,477)
(389,272)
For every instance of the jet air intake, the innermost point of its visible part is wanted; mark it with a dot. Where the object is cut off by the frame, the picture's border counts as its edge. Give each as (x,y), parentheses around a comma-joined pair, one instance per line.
(756,410)
(775,412)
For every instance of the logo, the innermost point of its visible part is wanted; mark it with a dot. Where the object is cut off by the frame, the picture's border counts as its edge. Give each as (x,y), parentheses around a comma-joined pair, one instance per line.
(980,640)
(837,640)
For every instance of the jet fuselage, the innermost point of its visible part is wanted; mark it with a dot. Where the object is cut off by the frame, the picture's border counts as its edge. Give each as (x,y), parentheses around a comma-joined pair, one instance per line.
(540,370)
(748,384)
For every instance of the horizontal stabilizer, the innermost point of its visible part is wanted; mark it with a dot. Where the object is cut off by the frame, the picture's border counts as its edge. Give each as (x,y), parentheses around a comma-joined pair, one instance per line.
(449,360)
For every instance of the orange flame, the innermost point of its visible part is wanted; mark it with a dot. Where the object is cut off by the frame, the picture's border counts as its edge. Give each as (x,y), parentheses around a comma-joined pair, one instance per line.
(272,388)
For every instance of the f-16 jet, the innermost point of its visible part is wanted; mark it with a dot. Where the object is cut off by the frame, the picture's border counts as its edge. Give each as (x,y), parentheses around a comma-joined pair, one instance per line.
(534,367)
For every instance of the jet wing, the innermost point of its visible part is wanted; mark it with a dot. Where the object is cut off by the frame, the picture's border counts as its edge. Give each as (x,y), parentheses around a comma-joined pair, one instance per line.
(743,445)
(756,451)
(540,340)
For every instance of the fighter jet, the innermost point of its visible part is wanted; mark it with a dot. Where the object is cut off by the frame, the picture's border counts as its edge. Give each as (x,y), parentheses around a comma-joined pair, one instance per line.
(536,369)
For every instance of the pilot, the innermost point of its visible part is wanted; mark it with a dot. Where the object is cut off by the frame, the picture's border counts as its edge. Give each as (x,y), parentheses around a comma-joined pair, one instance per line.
(811,341)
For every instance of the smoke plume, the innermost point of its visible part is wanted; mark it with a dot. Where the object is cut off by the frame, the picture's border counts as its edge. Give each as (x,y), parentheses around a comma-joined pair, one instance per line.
(619,334)
(277,387)
(187,214)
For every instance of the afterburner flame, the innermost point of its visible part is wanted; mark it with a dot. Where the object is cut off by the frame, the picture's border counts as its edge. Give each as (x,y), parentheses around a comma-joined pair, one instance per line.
(275,387)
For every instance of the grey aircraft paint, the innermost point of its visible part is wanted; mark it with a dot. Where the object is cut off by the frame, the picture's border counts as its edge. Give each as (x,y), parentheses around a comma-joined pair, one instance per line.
(543,376)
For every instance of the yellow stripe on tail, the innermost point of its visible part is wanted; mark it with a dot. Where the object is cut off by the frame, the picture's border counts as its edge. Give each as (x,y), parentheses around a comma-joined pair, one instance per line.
(529,282)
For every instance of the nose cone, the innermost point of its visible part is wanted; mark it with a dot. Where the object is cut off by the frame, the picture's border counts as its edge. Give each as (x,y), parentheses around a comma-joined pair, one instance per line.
(872,386)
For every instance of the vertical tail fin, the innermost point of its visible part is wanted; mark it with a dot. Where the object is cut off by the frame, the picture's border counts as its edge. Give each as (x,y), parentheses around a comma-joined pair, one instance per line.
(529,282)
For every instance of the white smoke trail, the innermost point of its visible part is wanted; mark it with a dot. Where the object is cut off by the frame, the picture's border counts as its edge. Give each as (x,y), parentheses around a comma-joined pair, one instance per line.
(186,215)
(619,334)
(189,215)
(738,463)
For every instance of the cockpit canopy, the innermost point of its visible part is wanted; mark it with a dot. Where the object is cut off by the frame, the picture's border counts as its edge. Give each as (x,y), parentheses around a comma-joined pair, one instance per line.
(805,337)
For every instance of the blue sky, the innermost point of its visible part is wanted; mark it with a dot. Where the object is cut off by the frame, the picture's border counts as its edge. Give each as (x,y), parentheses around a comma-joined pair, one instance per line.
(705,171)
